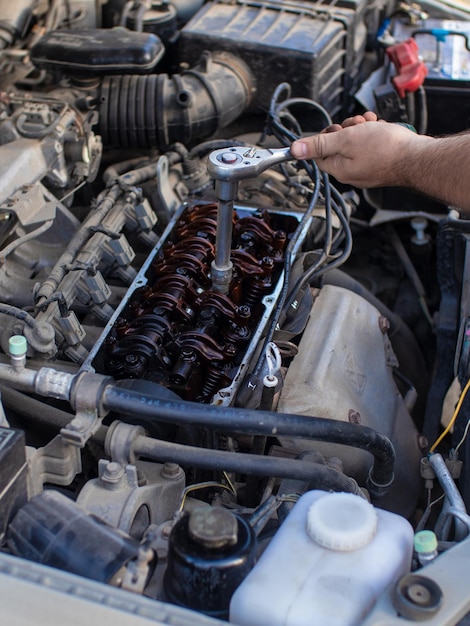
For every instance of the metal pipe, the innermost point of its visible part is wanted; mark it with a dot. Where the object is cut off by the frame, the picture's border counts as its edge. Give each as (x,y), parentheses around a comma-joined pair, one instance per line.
(46,381)
(453,499)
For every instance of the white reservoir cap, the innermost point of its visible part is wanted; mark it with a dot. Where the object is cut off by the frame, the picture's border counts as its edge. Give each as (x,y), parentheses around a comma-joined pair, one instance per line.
(342,521)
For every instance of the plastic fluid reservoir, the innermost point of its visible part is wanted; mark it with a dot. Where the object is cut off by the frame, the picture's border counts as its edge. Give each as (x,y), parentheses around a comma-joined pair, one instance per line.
(331,558)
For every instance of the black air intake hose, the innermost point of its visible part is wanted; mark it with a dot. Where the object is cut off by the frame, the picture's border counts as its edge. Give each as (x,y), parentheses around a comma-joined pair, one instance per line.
(155,111)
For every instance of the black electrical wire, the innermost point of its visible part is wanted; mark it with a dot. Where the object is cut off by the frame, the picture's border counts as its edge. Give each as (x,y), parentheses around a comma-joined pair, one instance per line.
(423,111)
(340,205)
(347,248)
(279,108)
(288,102)
(319,267)
(254,422)
(285,136)
(278,111)
(286,278)
(19,314)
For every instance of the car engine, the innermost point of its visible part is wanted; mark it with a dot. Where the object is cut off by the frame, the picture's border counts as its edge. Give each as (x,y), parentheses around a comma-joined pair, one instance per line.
(206,344)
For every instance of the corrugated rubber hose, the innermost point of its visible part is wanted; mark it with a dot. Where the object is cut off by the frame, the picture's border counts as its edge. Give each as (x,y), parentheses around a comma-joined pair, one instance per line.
(155,111)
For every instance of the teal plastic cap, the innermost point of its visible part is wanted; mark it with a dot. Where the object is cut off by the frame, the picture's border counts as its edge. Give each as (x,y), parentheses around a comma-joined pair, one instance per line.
(425,542)
(17,345)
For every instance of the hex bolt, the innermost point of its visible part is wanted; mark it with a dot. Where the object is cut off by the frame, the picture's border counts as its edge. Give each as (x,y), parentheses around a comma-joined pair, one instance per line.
(112,473)
(384,324)
(171,471)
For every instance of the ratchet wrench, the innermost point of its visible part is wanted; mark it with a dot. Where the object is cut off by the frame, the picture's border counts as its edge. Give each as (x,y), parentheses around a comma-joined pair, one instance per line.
(228,166)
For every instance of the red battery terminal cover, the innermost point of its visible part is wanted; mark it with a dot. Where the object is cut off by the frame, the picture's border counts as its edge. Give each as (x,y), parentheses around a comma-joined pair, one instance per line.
(411,71)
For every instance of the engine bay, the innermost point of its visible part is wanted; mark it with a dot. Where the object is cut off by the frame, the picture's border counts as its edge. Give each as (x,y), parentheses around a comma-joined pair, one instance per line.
(202,338)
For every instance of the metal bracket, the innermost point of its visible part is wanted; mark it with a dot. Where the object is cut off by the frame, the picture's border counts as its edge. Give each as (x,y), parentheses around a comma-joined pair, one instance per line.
(120,440)
(86,399)
(169,198)
(136,573)
(57,463)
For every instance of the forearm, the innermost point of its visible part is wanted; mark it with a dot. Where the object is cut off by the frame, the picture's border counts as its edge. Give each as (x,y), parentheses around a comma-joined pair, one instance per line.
(379,154)
(440,167)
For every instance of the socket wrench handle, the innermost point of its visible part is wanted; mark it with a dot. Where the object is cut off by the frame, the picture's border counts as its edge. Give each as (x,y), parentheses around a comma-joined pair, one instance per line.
(240,162)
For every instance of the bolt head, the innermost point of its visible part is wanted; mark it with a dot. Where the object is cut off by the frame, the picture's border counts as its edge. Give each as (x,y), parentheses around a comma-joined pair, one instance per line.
(171,470)
(229,158)
(113,472)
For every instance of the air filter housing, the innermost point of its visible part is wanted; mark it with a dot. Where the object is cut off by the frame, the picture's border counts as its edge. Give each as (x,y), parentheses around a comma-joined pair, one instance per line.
(317,51)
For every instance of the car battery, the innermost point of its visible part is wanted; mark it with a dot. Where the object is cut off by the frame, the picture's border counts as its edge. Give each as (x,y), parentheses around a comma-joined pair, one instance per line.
(13,471)
(444,47)
(280,42)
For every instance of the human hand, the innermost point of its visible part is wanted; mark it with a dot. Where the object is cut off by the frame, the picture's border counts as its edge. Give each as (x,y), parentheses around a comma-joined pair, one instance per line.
(362,151)
(368,116)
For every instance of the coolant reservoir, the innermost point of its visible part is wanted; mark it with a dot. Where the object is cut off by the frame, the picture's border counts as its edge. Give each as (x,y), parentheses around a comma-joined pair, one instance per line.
(330,560)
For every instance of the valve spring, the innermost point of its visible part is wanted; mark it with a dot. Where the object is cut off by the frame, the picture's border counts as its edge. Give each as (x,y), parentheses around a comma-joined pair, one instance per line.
(215,380)
(255,290)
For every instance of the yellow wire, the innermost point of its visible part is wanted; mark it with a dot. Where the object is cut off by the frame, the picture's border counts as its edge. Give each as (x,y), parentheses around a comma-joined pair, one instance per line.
(454,417)
(204,485)
(227,478)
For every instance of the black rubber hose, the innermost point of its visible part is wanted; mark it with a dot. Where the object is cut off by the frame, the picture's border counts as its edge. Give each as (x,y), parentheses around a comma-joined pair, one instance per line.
(318,476)
(155,111)
(254,422)
(39,412)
